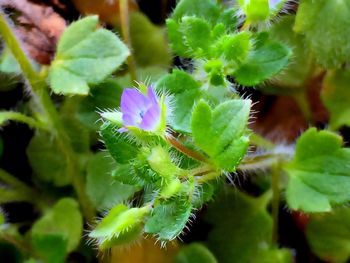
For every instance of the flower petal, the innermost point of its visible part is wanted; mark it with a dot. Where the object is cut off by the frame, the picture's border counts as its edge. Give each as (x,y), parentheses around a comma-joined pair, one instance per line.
(133,102)
(131,120)
(151,118)
(152,96)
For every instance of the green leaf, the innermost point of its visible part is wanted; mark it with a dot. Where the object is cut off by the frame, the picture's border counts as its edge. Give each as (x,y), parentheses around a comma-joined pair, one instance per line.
(195,253)
(268,59)
(196,35)
(221,133)
(274,255)
(47,160)
(335,95)
(103,191)
(318,174)
(241,227)
(325,25)
(229,19)
(186,91)
(85,55)
(104,96)
(255,10)
(64,220)
(298,70)
(120,147)
(121,222)
(77,133)
(329,235)
(148,41)
(50,247)
(207,9)
(168,218)
(2,217)
(161,162)
(175,38)
(8,63)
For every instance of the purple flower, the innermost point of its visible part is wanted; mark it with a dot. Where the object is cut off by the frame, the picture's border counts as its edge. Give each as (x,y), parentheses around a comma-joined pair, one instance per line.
(273,3)
(139,110)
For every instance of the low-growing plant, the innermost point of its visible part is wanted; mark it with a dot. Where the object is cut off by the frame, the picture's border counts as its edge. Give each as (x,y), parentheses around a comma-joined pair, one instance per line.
(174,140)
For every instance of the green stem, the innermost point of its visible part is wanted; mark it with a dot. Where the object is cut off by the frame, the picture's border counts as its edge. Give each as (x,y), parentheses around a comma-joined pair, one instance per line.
(258,140)
(16,116)
(13,181)
(125,26)
(304,106)
(39,88)
(275,184)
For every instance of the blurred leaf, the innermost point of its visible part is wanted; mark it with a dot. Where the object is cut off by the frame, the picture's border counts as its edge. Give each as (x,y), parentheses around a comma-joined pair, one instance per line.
(8,63)
(77,133)
(186,91)
(195,253)
(242,227)
(47,160)
(51,247)
(325,25)
(107,11)
(2,217)
(335,95)
(63,221)
(318,174)
(298,70)
(268,59)
(274,255)
(329,235)
(102,189)
(150,47)
(221,133)
(104,96)
(168,218)
(85,55)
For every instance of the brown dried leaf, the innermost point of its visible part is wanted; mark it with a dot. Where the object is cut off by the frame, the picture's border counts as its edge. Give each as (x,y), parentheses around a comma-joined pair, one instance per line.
(39,28)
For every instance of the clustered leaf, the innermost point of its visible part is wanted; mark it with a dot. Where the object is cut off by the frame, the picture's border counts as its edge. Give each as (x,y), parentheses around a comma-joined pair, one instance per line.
(85,55)
(319,177)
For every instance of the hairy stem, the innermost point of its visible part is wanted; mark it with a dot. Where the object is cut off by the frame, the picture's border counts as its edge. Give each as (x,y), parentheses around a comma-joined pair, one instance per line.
(260,141)
(125,26)
(40,94)
(182,148)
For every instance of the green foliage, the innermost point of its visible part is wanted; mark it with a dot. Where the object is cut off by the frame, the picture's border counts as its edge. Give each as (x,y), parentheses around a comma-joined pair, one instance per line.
(299,69)
(62,224)
(50,247)
(201,8)
(318,174)
(148,41)
(221,133)
(266,60)
(47,160)
(335,93)
(120,149)
(328,235)
(242,229)
(85,55)
(186,91)
(169,218)
(102,190)
(323,23)
(104,96)
(195,253)
(121,224)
